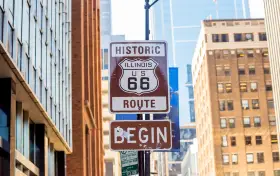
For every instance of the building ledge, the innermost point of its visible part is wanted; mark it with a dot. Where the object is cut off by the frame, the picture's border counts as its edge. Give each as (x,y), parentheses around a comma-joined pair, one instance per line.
(59,141)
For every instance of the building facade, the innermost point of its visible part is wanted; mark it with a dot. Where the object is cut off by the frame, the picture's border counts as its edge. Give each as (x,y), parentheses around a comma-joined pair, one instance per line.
(272,28)
(234,104)
(87,158)
(175,159)
(178,22)
(111,158)
(35,79)
(189,164)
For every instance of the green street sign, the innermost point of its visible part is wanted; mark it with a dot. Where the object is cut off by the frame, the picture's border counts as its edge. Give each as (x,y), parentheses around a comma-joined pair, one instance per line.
(129,163)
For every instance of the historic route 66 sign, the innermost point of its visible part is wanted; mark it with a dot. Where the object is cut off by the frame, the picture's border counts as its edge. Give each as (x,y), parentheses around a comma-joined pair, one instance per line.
(138,77)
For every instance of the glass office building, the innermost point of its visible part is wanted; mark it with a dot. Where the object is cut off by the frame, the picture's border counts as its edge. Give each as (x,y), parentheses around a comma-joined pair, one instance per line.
(178,22)
(35,91)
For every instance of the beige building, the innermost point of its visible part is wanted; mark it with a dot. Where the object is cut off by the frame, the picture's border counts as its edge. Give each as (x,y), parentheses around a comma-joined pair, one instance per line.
(234,106)
(272,23)
(112,159)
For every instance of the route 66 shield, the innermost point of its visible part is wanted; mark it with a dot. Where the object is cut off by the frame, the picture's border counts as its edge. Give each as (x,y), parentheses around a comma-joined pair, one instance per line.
(138,76)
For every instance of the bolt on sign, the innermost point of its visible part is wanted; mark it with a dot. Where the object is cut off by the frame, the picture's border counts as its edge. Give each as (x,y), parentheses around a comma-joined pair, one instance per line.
(140,135)
(139,77)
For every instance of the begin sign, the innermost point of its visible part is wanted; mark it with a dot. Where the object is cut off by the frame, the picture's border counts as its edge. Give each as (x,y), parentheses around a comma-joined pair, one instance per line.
(140,135)
(139,77)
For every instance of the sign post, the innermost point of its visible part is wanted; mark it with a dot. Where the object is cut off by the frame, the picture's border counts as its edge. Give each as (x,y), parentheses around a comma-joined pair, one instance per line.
(139,83)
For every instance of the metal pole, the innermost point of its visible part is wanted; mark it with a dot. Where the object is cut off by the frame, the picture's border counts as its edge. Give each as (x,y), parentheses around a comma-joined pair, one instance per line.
(140,155)
(147,37)
(147,26)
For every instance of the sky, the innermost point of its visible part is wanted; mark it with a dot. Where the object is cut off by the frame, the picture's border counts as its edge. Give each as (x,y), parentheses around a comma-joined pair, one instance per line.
(128,18)
(257,8)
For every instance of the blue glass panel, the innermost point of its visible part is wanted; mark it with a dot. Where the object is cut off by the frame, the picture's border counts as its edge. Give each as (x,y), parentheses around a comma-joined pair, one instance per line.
(4,129)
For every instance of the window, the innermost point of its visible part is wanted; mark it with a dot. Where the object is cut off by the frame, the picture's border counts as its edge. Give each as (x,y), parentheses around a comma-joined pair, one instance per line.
(251,173)
(241,70)
(228,88)
(270,104)
(268,86)
(223,123)
(243,87)
(10,40)
(19,56)
(220,87)
(215,37)
(261,173)
(238,37)
(265,53)
(257,121)
(217,54)
(274,139)
(227,174)
(245,104)
(246,122)
(224,141)
(225,52)
(252,70)
(190,90)
(234,159)
(11,6)
(222,105)
(258,140)
(1,24)
(262,36)
(250,53)
(224,37)
(230,105)
(254,87)
(250,158)
(189,73)
(233,141)
(225,159)
(249,37)
(275,156)
(32,147)
(272,120)
(219,70)
(4,124)
(266,69)
(220,38)
(260,157)
(240,53)
(255,104)
(248,140)
(277,173)
(227,70)
(232,123)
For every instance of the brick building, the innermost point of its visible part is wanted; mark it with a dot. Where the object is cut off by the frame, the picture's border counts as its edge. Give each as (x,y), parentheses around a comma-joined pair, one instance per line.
(234,105)
(88,151)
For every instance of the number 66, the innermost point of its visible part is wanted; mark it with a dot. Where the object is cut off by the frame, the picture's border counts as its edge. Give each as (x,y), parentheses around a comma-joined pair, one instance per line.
(144,83)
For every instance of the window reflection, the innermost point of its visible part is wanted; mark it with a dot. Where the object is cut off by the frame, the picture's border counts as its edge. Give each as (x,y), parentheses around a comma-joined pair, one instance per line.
(4,126)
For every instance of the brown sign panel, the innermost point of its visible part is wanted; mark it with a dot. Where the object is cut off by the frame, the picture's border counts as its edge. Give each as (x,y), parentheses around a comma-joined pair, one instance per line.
(138,77)
(140,135)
